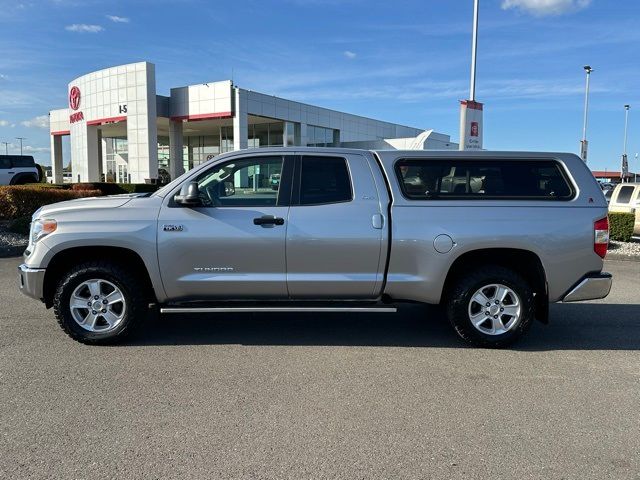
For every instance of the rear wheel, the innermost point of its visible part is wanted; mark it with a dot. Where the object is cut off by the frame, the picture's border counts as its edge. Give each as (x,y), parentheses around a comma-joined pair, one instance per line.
(99,302)
(491,307)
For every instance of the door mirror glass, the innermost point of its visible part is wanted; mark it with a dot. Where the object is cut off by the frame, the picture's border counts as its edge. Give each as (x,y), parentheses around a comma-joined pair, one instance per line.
(229,189)
(189,195)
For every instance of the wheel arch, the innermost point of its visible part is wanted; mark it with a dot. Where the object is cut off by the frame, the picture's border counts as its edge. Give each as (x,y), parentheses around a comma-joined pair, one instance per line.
(524,262)
(23,178)
(65,259)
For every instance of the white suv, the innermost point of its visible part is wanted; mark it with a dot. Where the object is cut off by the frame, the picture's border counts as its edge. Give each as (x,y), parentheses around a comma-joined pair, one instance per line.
(18,170)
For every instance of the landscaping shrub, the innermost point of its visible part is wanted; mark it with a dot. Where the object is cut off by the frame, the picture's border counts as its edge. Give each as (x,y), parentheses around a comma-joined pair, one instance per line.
(22,200)
(116,188)
(20,225)
(621,226)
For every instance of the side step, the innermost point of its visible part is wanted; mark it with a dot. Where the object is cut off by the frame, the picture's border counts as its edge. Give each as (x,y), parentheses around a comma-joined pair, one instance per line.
(298,309)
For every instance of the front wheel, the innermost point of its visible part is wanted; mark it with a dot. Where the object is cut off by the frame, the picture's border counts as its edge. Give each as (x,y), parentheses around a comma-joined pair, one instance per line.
(491,307)
(99,302)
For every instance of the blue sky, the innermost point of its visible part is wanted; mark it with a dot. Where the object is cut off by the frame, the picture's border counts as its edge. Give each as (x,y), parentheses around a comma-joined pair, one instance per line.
(402,61)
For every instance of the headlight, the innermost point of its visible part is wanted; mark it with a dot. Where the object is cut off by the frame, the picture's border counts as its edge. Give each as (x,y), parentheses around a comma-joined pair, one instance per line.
(41,227)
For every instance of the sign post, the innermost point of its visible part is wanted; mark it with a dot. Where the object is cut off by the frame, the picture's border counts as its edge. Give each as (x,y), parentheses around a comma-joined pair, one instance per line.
(470,125)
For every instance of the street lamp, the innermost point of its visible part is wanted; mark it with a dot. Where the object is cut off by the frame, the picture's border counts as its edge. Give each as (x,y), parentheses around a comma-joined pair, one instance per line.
(584,143)
(6,148)
(625,164)
(471,129)
(21,139)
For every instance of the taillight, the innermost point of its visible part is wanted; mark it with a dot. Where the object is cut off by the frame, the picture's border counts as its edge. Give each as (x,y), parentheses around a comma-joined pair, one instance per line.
(601,236)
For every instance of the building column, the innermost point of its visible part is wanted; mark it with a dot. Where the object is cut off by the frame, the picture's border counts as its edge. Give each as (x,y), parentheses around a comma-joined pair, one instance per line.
(56,159)
(289,134)
(336,138)
(93,154)
(240,121)
(303,135)
(100,158)
(176,146)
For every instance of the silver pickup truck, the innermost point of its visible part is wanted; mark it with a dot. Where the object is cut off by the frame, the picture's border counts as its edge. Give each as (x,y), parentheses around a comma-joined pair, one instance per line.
(492,236)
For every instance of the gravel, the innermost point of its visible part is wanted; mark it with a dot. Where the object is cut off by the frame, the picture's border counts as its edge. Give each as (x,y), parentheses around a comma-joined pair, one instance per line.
(627,249)
(11,244)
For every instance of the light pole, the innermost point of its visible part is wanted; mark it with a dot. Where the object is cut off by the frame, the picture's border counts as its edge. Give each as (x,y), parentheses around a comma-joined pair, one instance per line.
(471,129)
(21,139)
(584,143)
(6,148)
(625,163)
(474,50)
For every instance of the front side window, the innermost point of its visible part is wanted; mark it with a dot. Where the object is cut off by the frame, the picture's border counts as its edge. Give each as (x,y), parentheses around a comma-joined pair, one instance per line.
(5,163)
(247,182)
(324,180)
(423,179)
(624,195)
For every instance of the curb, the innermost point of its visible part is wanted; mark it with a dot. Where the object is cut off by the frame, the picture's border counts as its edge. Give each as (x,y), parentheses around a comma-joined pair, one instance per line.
(622,258)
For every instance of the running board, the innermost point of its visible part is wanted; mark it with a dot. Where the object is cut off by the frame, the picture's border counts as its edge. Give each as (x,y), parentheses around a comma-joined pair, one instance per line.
(227,309)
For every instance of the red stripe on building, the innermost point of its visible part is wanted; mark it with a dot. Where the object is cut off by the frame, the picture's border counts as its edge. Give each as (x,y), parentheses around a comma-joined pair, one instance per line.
(61,132)
(102,121)
(202,116)
(472,105)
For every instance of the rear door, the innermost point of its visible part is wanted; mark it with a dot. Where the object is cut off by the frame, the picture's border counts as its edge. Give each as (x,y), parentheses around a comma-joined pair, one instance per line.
(335,229)
(5,167)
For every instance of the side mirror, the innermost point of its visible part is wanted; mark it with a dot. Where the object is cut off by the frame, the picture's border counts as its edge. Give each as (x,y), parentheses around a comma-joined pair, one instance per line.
(229,189)
(189,195)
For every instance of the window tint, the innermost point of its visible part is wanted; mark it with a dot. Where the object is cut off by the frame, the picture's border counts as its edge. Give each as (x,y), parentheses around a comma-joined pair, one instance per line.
(249,182)
(5,162)
(324,180)
(624,195)
(23,162)
(422,179)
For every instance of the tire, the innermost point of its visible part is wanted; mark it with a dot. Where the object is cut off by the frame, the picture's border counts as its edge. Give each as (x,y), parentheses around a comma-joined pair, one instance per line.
(119,318)
(22,179)
(494,328)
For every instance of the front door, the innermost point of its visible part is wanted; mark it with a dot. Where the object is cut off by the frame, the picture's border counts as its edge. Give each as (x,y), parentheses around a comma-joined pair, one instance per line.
(335,232)
(232,247)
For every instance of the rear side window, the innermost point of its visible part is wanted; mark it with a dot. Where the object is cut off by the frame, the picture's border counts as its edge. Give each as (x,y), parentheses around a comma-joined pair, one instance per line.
(624,195)
(424,179)
(5,162)
(324,180)
(23,162)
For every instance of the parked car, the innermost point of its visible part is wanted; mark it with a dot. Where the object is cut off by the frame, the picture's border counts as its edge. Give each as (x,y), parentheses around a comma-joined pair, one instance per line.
(18,170)
(274,181)
(343,232)
(626,198)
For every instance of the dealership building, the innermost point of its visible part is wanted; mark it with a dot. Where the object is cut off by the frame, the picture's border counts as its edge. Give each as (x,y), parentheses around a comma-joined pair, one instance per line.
(121,130)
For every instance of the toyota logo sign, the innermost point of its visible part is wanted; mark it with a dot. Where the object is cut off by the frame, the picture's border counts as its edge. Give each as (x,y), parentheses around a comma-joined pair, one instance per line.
(74,98)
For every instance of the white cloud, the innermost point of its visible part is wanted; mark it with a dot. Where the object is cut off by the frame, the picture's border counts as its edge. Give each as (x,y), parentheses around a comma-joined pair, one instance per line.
(15,146)
(3,76)
(546,7)
(4,123)
(117,19)
(41,121)
(84,28)
(349,54)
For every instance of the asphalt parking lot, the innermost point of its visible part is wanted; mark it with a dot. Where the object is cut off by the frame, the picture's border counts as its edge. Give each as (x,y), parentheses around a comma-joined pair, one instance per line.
(331,396)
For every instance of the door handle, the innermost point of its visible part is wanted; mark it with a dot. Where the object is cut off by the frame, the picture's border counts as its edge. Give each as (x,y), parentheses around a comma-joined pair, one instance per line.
(268,220)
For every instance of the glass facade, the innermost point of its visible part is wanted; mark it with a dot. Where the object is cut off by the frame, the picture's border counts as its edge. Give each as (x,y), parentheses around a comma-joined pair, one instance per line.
(197,149)
(319,136)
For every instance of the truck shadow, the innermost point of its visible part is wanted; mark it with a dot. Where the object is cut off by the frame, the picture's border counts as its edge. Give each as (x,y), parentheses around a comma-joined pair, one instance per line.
(584,326)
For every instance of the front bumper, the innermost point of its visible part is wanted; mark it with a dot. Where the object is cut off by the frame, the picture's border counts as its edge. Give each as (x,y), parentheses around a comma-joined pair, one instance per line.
(591,287)
(31,281)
